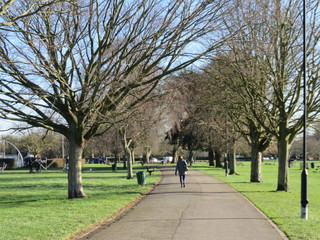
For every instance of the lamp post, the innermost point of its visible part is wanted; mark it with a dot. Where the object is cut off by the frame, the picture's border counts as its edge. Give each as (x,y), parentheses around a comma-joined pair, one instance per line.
(304,174)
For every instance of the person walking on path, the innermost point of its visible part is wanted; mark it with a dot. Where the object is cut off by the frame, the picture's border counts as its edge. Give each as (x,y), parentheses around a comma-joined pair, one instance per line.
(182,168)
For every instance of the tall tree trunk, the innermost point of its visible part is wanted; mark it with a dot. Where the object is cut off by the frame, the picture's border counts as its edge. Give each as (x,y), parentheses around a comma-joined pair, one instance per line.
(126,144)
(116,158)
(133,157)
(175,153)
(211,157)
(232,161)
(144,159)
(218,158)
(259,141)
(75,188)
(283,167)
(129,164)
(232,158)
(148,154)
(190,157)
(256,160)
(124,160)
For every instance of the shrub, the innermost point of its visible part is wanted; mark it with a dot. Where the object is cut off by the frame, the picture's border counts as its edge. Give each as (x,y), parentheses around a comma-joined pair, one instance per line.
(57,162)
(60,162)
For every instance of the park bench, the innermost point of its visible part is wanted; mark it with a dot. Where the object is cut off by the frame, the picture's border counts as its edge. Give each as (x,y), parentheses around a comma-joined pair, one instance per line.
(150,170)
(3,166)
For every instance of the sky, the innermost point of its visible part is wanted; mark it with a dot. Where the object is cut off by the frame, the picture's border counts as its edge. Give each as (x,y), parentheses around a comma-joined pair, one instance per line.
(4,126)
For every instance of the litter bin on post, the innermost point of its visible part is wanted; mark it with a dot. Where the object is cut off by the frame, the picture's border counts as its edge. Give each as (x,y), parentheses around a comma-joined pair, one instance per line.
(312,165)
(141,177)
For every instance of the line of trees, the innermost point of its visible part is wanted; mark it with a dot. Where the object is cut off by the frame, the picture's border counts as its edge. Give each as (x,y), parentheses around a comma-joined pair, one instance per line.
(83,69)
(253,86)
(79,68)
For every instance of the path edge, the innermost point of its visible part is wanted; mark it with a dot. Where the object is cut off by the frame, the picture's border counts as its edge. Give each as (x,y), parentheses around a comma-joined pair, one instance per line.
(274,225)
(98,226)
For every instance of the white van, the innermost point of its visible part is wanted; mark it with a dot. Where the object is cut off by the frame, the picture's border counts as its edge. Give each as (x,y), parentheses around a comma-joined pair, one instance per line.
(167,159)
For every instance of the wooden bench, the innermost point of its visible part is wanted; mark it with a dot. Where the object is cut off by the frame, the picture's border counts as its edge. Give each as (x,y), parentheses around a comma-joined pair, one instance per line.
(150,170)
(3,166)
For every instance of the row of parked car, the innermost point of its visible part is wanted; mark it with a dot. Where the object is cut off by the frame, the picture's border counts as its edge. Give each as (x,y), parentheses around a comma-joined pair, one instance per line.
(104,160)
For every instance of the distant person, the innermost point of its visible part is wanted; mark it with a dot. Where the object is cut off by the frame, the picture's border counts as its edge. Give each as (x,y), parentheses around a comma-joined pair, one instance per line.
(182,168)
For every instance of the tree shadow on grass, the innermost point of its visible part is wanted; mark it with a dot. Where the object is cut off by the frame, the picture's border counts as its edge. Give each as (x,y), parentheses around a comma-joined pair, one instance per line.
(104,177)
(40,195)
(258,191)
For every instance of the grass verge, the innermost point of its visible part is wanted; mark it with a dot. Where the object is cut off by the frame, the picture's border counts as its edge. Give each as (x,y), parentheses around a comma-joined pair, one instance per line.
(283,208)
(35,206)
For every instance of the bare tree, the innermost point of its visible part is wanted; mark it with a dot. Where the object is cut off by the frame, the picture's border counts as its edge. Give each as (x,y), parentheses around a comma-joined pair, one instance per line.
(10,15)
(172,136)
(105,145)
(204,120)
(37,142)
(267,58)
(151,125)
(231,73)
(72,68)
(136,130)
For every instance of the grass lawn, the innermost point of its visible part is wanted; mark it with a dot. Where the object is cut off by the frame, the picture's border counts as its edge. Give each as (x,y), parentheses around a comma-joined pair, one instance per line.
(35,206)
(282,207)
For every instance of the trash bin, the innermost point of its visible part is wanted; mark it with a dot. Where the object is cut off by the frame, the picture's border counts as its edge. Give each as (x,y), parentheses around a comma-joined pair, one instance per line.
(141,177)
(312,165)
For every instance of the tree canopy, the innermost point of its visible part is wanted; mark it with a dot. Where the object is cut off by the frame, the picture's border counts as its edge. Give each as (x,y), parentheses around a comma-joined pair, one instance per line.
(78,67)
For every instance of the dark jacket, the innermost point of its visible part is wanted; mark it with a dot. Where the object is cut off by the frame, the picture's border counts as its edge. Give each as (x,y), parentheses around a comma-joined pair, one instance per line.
(181,167)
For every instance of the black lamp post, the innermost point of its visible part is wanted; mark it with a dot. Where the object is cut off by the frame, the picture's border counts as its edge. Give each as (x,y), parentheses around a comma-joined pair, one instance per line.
(304,174)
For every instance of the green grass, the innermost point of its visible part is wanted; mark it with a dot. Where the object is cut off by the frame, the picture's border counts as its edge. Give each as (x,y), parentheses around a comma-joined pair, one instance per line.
(35,206)
(283,208)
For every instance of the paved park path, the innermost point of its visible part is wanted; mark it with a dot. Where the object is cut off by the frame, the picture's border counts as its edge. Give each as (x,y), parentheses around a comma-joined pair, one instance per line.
(206,209)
